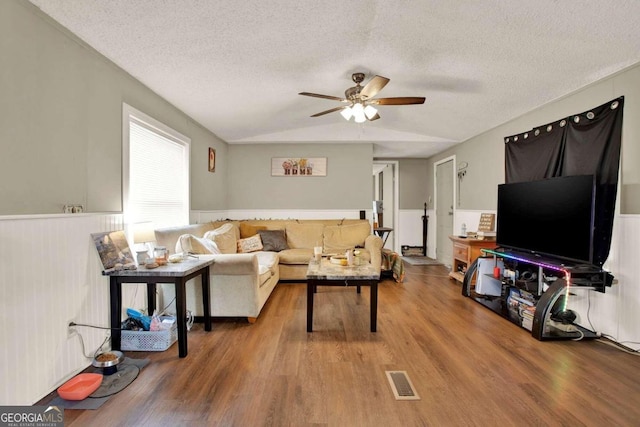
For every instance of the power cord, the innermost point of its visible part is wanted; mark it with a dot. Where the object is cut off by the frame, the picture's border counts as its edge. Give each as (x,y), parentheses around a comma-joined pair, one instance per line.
(95,353)
(609,340)
(580,337)
(94,326)
(190,321)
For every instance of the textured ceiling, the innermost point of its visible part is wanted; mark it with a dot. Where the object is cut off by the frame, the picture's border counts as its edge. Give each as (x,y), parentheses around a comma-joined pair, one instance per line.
(237,66)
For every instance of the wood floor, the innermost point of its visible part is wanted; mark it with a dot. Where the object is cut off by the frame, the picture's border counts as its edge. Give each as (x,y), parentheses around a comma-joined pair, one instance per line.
(469,366)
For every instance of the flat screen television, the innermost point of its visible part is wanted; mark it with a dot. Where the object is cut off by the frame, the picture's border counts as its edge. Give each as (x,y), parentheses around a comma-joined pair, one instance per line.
(553,217)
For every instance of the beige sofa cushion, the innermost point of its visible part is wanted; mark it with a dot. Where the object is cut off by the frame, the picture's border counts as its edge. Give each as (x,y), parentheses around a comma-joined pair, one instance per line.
(296,256)
(195,245)
(338,238)
(224,238)
(304,235)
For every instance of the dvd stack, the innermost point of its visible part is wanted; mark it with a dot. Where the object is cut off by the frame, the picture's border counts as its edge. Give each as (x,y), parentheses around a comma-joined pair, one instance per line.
(523,305)
(527,316)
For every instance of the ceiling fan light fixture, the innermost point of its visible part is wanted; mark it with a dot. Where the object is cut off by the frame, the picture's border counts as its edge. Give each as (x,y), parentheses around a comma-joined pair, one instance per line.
(360,99)
(358,113)
(347,113)
(370,112)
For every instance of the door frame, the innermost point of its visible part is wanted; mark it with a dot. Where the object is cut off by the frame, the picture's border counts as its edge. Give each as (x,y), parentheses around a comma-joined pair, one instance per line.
(435,195)
(396,201)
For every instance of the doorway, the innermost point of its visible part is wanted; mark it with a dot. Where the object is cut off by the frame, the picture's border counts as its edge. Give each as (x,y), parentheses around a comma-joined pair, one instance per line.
(445,208)
(385,189)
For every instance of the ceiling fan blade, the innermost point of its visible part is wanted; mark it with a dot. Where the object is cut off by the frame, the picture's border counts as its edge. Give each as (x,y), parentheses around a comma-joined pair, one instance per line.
(330,111)
(376,117)
(374,86)
(401,100)
(317,95)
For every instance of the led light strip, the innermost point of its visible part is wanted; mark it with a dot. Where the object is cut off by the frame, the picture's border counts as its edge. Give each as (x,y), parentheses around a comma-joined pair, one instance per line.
(567,273)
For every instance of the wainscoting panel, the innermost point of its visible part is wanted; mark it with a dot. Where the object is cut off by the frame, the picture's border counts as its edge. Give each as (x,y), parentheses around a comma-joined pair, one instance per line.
(617,311)
(410,233)
(50,275)
(204,216)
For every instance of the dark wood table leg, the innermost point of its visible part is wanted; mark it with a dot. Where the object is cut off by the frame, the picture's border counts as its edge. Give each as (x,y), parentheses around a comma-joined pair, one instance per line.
(374,305)
(116,308)
(358,288)
(151,298)
(310,290)
(181,313)
(206,299)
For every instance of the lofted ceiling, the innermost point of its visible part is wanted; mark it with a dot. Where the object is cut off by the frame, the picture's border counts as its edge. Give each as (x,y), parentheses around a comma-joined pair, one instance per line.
(237,67)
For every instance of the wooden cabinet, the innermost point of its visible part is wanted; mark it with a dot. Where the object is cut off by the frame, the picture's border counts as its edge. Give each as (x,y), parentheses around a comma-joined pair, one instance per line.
(465,251)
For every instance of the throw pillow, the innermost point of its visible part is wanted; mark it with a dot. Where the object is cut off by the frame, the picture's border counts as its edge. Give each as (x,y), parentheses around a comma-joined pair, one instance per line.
(273,240)
(224,237)
(195,245)
(250,244)
(248,230)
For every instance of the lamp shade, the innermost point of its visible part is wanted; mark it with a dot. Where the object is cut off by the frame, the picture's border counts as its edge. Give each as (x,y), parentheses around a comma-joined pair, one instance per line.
(358,113)
(370,112)
(143,232)
(346,113)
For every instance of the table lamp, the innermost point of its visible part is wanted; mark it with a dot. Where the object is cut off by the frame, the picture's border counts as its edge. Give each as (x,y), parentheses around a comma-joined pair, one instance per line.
(143,234)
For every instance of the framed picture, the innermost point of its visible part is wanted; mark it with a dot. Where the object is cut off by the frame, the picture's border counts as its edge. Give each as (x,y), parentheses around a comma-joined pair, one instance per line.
(212,160)
(113,249)
(298,166)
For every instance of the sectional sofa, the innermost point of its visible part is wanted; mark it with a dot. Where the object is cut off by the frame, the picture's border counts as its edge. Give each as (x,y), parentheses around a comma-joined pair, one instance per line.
(252,256)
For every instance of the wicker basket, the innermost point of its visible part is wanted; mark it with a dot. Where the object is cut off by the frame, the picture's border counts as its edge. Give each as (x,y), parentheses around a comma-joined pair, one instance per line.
(149,340)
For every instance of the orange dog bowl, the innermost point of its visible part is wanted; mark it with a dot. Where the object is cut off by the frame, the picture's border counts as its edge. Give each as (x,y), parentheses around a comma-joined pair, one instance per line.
(80,386)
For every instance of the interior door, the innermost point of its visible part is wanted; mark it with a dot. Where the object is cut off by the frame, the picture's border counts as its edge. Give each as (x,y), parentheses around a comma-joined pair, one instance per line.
(387,207)
(444,212)
(384,189)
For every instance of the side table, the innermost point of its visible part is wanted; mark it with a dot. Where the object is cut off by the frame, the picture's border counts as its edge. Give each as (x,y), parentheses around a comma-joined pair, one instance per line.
(178,274)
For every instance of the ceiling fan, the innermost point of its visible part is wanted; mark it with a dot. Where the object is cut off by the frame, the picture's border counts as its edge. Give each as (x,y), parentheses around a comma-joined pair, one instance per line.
(360,99)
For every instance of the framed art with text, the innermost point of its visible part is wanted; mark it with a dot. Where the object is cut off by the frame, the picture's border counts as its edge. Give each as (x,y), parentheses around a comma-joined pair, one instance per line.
(298,166)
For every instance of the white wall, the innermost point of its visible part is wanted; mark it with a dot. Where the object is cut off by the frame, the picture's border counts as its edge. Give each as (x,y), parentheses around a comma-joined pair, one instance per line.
(50,275)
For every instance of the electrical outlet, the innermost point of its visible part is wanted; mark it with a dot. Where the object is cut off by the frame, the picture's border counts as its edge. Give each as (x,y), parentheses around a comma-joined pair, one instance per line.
(71,329)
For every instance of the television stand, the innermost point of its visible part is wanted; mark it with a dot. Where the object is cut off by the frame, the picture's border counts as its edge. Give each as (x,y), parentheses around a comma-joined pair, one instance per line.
(533,292)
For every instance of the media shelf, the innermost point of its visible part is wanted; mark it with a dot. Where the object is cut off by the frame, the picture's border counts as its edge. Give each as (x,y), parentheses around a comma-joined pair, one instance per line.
(534,292)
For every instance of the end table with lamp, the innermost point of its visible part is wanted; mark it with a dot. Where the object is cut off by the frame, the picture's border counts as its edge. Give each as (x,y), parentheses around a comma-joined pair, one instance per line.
(178,274)
(143,237)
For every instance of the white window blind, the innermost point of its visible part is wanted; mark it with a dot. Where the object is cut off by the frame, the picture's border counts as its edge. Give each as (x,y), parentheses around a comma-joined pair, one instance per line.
(157,188)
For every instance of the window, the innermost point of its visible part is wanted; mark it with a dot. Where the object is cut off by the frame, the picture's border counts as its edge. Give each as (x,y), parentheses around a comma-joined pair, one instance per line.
(155,171)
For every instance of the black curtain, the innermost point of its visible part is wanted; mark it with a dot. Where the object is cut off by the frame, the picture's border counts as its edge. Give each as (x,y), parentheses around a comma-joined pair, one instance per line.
(582,144)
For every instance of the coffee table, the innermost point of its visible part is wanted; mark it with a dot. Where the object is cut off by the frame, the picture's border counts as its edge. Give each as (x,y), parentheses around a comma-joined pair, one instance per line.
(327,274)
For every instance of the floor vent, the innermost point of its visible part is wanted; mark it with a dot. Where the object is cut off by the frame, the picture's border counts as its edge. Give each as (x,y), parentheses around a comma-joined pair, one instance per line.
(401,385)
